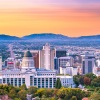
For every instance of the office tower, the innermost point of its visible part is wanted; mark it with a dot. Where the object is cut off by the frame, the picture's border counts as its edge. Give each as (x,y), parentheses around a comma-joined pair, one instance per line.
(35,54)
(46,57)
(58,53)
(88,64)
(0,63)
(62,61)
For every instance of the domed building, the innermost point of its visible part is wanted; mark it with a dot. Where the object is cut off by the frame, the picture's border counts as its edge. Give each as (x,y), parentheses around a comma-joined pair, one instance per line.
(28,61)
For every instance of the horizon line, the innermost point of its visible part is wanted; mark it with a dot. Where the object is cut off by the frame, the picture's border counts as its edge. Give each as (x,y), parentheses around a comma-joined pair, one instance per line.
(48,33)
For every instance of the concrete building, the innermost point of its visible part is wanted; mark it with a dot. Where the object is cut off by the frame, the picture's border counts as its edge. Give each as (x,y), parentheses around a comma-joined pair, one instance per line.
(58,53)
(11,63)
(88,63)
(68,70)
(46,57)
(36,58)
(62,61)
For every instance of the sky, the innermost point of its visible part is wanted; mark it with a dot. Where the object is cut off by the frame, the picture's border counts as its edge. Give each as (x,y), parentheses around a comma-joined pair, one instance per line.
(68,17)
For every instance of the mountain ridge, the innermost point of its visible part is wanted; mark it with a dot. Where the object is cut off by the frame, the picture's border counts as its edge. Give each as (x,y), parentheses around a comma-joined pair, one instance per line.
(46,36)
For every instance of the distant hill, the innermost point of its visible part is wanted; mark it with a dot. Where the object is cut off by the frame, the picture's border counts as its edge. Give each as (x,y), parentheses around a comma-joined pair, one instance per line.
(7,37)
(90,37)
(48,37)
(45,36)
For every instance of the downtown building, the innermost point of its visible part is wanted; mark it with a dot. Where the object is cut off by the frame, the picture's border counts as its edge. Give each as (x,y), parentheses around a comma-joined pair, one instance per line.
(88,63)
(29,75)
(46,57)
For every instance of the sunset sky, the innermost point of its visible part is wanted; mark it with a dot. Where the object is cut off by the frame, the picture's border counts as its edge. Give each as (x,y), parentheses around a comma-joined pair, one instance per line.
(69,17)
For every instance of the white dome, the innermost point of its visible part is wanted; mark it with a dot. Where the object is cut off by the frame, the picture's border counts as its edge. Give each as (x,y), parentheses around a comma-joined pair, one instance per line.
(28,62)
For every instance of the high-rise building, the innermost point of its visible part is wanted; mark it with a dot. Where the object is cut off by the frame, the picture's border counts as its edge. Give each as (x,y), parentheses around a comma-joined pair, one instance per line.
(58,53)
(88,63)
(36,58)
(62,61)
(46,57)
(0,63)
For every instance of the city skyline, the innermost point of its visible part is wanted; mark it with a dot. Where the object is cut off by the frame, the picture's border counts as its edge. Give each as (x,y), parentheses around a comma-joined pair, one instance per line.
(71,18)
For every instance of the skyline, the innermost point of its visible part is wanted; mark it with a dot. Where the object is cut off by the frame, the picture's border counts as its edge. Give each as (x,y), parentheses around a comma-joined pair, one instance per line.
(71,18)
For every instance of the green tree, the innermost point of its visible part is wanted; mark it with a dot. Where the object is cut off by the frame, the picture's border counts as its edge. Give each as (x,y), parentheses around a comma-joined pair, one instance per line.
(32,90)
(73,98)
(17,99)
(23,87)
(58,84)
(81,80)
(95,96)
(76,79)
(96,82)
(40,92)
(22,94)
(12,94)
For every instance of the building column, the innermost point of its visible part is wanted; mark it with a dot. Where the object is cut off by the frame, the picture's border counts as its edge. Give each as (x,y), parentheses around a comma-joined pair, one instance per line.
(44,82)
(13,81)
(17,82)
(52,83)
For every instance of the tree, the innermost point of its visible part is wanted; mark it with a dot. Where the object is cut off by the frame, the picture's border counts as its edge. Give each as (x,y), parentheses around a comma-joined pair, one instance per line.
(87,81)
(12,94)
(58,84)
(32,90)
(73,98)
(95,96)
(96,82)
(40,92)
(76,79)
(22,94)
(23,87)
(81,80)
(17,99)
(91,76)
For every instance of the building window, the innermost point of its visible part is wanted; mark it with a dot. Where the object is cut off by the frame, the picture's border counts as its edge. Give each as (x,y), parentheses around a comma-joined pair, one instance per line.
(50,82)
(89,66)
(15,81)
(23,80)
(46,82)
(35,81)
(4,80)
(42,82)
(31,80)
(54,81)
(11,81)
(8,81)
(19,82)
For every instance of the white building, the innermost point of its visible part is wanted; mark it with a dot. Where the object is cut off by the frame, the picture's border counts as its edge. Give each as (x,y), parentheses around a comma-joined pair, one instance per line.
(0,63)
(62,61)
(41,78)
(69,70)
(46,58)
